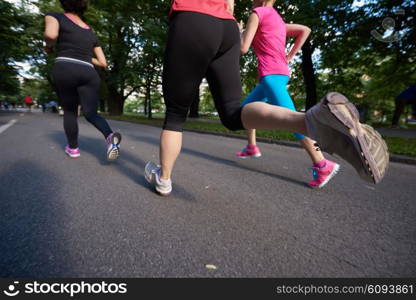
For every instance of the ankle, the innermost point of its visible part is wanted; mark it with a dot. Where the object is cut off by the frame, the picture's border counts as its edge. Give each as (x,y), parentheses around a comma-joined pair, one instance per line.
(163,176)
(320,164)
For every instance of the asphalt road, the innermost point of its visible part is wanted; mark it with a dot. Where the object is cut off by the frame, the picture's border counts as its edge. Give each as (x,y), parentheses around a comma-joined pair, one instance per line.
(62,217)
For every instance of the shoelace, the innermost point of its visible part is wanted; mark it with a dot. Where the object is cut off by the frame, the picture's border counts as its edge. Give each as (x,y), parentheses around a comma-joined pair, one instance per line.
(115,149)
(315,172)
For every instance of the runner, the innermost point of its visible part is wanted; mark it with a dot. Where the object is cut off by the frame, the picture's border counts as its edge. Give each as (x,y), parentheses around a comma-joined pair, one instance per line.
(75,79)
(28,102)
(406,97)
(204,41)
(267,32)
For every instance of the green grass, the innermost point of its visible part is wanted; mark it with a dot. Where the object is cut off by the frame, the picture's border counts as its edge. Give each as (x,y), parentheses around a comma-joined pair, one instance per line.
(401,146)
(397,145)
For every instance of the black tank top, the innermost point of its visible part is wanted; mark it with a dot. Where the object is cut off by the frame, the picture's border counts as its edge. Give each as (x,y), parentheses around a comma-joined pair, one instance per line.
(73,40)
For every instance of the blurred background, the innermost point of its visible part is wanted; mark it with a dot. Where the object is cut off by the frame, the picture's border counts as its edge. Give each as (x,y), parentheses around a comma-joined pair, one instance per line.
(362,48)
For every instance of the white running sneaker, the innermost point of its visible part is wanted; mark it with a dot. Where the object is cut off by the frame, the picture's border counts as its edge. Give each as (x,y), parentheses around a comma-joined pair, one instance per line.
(152,175)
(113,146)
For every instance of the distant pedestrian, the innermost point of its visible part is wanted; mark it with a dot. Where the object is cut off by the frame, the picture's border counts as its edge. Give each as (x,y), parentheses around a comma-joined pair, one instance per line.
(28,102)
(407,97)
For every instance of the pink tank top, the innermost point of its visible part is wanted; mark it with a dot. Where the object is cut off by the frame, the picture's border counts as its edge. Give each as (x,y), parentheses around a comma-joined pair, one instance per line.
(269,43)
(215,8)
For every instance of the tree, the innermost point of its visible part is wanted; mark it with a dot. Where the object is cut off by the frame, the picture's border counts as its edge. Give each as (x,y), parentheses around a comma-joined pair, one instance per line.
(194,109)
(13,45)
(132,34)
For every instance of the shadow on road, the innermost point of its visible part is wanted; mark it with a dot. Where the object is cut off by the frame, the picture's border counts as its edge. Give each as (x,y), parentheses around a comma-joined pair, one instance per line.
(232,163)
(96,147)
(31,244)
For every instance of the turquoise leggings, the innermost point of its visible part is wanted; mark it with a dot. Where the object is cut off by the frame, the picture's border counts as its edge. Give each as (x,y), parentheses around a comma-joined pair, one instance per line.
(272,90)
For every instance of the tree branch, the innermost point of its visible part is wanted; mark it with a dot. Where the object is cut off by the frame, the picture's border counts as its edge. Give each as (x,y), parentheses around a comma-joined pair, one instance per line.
(132,91)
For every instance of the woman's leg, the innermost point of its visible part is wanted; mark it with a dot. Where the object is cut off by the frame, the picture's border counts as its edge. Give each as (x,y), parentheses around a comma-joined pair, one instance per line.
(89,94)
(275,87)
(170,147)
(251,137)
(190,47)
(65,87)
(251,149)
(260,115)
(70,122)
(257,94)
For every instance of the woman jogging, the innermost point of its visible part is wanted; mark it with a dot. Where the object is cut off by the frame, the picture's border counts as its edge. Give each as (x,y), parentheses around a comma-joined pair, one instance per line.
(75,79)
(267,32)
(204,41)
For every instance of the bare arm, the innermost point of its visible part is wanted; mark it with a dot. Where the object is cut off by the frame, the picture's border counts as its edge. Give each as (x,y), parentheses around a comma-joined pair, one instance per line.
(51,32)
(249,33)
(99,59)
(230,6)
(301,33)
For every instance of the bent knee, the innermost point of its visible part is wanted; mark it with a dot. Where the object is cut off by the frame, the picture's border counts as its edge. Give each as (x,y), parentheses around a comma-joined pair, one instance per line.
(232,120)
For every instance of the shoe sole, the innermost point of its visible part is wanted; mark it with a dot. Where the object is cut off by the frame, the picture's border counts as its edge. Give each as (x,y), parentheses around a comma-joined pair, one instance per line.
(251,156)
(347,122)
(114,153)
(330,176)
(350,117)
(72,155)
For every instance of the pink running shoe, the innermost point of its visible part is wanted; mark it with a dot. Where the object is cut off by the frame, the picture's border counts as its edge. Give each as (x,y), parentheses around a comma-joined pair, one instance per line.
(322,176)
(73,153)
(249,151)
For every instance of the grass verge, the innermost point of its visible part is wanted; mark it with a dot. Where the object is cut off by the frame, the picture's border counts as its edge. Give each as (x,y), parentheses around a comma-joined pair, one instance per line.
(397,145)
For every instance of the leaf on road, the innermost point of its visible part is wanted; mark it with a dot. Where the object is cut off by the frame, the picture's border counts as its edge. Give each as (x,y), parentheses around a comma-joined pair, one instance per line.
(211,267)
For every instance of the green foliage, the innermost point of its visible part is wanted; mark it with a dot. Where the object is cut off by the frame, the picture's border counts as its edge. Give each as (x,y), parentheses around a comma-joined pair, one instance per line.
(396,145)
(13,47)
(346,55)
(206,103)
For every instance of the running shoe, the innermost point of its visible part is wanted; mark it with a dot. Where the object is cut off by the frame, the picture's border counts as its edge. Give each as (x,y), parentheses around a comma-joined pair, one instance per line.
(113,146)
(152,175)
(334,124)
(321,176)
(72,153)
(249,151)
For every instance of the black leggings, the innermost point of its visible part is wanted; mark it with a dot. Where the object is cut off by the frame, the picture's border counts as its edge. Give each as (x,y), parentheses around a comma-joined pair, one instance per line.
(76,84)
(201,46)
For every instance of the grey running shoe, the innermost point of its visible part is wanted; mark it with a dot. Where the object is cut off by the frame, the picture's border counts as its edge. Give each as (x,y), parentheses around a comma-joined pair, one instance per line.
(113,146)
(334,124)
(152,175)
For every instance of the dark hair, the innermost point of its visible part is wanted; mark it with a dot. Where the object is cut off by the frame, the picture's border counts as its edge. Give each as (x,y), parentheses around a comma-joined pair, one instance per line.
(74,6)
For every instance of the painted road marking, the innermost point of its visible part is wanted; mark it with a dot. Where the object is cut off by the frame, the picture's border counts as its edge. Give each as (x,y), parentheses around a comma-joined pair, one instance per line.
(3,128)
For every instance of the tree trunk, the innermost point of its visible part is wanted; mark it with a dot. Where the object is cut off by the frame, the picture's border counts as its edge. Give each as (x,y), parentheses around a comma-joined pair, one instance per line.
(194,110)
(309,75)
(102,104)
(145,106)
(148,101)
(115,102)
(103,90)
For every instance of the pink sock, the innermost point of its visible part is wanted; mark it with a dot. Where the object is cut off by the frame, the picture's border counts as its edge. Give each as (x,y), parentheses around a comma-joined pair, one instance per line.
(251,146)
(320,164)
